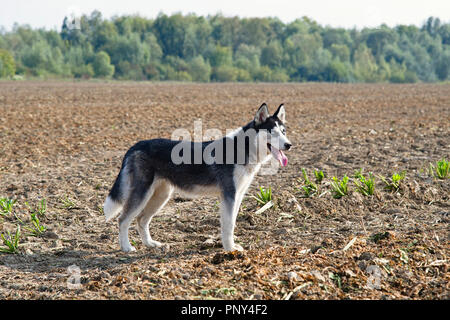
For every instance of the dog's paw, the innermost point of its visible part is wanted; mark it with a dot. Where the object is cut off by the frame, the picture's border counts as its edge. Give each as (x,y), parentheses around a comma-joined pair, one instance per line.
(237,247)
(234,247)
(129,248)
(153,244)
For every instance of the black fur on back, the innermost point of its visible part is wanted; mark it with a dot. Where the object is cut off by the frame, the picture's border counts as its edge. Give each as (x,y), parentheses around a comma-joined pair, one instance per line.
(148,158)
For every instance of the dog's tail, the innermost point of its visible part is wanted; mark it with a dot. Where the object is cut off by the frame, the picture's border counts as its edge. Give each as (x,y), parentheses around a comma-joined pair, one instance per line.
(115,201)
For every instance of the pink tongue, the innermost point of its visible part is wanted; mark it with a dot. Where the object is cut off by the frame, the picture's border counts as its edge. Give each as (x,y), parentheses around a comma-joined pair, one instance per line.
(284,159)
(280,156)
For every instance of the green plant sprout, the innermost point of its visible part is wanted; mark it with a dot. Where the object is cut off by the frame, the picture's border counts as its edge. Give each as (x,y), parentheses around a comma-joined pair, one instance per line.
(264,195)
(10,241)
(339,187)
(6,206)
(364,185)
(309,188)
(67,203)
(319,176)
(36,228)
(394,183)
(441,169)
(41,210)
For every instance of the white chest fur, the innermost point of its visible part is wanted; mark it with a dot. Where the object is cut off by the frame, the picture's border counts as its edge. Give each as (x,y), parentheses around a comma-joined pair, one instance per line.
(243,176)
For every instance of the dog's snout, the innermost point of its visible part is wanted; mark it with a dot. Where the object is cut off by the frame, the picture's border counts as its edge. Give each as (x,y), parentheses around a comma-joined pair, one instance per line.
(287,146)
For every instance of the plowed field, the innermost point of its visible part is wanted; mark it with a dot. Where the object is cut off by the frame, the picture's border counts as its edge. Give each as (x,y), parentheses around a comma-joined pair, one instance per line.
(62,144)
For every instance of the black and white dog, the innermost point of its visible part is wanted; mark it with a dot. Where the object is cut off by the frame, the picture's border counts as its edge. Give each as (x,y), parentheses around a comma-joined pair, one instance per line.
(153,169)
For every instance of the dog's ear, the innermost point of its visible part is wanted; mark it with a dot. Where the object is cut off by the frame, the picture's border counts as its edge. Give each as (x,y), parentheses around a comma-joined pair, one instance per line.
(262,114)
(280,113)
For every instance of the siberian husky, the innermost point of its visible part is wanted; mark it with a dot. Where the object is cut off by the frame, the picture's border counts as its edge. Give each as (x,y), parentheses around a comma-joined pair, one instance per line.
(153,169)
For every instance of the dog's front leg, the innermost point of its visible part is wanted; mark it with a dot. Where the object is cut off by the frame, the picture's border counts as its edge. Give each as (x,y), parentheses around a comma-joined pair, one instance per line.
(227,222)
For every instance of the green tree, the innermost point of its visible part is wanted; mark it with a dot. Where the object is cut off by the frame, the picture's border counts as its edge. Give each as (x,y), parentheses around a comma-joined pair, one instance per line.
(338,36)
(254,31)
(248,58)
(102,65)
(197,37)
(336,71)
(217,48)
(171,32)
(301,49)
(443,66)
(365,66)
(78,61)
(221,56)
(40,59)
(340,52)
(225,31)
(7,64)
(199,69)
(225,73)
(103,33)
(272,55)
(377,39)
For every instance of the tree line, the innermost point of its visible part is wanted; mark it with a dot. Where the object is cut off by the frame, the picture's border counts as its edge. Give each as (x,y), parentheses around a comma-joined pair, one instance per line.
(217,48)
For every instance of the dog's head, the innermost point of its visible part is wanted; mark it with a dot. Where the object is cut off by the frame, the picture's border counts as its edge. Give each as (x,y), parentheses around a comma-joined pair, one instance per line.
(274,127)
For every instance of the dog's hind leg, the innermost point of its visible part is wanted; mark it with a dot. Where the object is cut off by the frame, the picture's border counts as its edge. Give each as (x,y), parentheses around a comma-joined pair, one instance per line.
(161,194)
(136,202)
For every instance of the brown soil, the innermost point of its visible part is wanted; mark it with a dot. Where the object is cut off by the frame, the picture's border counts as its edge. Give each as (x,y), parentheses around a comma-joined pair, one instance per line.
(64,142)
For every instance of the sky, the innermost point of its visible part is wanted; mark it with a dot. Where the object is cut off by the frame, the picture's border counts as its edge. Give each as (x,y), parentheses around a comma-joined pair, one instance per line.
(336,13)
